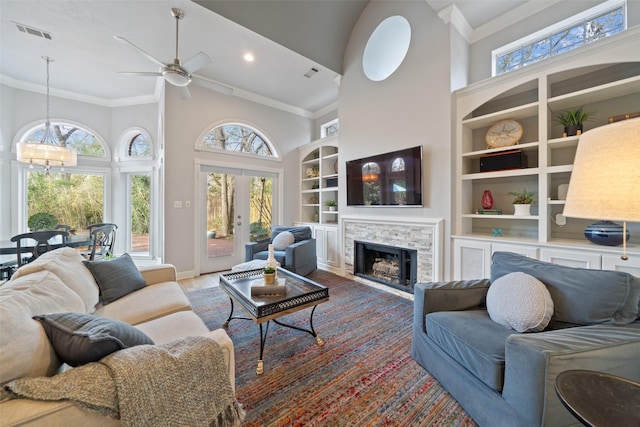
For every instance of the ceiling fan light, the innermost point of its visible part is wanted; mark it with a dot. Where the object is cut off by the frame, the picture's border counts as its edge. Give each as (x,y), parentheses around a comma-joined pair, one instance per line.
(176,77)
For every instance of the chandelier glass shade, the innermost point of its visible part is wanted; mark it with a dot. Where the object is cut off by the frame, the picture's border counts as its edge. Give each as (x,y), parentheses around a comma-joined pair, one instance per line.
(47,152)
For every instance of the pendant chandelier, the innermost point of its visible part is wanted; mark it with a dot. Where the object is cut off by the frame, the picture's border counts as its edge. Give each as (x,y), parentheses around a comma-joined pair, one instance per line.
(47,152)
(370,174)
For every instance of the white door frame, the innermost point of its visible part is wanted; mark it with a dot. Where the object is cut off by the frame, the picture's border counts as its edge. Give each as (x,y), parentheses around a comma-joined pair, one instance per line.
(200,231)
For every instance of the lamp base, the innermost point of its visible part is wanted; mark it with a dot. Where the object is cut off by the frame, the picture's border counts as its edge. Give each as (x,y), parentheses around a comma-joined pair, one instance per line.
(606,233)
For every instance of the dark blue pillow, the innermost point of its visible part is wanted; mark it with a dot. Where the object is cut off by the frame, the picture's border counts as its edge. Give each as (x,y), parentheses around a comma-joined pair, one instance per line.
(79,338)
(116,277)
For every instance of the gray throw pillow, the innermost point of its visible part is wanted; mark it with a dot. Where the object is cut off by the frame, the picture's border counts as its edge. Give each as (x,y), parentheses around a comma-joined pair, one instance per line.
(79,338)
(116,277)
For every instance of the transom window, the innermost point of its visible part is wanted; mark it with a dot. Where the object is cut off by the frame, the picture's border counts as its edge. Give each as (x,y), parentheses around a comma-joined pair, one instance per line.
(139,146)
(596,23)
(64,134)
(330,128)
(238,138)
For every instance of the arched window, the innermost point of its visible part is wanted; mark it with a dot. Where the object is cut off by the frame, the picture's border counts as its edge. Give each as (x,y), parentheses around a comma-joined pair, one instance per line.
(139,146)
(397,165)
(65,134)
(237,138)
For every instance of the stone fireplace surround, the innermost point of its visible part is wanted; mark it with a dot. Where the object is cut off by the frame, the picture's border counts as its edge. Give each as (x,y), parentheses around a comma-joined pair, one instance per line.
(423,234)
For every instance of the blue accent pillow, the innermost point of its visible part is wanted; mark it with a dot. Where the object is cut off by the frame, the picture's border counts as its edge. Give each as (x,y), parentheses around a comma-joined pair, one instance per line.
(116,277)
(79,338)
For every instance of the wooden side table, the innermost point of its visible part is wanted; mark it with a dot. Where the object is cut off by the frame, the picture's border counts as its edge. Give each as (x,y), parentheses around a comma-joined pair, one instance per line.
(599,399)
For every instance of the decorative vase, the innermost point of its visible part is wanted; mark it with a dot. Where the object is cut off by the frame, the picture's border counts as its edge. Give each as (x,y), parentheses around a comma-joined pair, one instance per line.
(521,210)
(271,259)
(606,233)
(487,200)
(332,208)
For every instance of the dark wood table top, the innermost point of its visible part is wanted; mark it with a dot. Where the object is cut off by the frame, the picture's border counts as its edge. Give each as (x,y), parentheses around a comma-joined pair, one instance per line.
(599,399)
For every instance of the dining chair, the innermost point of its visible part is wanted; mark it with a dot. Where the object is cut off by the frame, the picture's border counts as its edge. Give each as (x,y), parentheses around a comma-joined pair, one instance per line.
(64,227)
(43,243)
(103,238)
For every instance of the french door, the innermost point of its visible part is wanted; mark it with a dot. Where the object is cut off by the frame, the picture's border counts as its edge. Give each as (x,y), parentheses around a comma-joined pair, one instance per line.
(236,208)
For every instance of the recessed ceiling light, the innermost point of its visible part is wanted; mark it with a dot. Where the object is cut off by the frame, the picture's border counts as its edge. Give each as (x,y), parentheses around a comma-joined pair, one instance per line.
(249,57)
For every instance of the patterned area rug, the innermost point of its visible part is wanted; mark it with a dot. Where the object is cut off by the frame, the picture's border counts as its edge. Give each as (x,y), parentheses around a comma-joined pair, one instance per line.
(363,375)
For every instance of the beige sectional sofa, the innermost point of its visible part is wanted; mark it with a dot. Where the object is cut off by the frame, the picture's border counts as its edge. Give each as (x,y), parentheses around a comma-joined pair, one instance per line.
(58,282)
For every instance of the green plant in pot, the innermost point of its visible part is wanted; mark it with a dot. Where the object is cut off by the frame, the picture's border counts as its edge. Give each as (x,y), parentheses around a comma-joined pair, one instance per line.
(269,275)
(572,120)
(331,204)
(522,201)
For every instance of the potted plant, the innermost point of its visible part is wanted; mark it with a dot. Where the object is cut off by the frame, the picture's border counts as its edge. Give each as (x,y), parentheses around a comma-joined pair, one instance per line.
(572,120)
(269,275)
(522,201)
(332,204)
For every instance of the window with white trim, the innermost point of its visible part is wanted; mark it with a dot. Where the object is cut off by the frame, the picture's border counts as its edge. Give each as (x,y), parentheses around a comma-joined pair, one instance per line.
(594,24)
(237,138)
(69,135)
(329,128)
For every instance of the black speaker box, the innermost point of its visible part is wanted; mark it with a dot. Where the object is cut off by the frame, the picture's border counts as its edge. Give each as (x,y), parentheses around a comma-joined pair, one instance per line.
(514,159)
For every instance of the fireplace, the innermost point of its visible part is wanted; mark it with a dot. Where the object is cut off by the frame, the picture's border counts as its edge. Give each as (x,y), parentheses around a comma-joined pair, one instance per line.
(391,265)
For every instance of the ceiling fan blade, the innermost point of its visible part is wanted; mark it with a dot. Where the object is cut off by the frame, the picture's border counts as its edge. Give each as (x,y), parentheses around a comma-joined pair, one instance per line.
(141,73)
(127,42)
(184,92)
(198,61)
(210,84)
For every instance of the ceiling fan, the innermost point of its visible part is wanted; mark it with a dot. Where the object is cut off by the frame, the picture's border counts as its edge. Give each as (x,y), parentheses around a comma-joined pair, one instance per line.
(178,74)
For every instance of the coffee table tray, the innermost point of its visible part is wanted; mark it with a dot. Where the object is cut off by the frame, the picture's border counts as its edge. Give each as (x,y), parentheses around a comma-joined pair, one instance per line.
(300,291)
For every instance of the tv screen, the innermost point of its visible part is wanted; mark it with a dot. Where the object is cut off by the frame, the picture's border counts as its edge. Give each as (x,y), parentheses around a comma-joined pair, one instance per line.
(390,179)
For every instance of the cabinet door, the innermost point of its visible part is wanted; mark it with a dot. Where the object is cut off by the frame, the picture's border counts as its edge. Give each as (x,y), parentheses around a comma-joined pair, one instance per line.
(614,262)
(320,236)
(528,251)
(332,246)
(571,258)
(471,260)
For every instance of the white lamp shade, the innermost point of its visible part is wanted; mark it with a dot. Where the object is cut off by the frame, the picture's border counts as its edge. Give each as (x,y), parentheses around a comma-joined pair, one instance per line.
(46,154)
(605,181)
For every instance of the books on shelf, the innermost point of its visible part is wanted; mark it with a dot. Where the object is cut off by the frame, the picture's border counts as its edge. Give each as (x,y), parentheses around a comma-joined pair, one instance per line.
(258,288)
(489,211)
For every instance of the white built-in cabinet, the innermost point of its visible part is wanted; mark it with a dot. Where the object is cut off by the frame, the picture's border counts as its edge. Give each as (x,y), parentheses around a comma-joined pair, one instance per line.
(604,79)
(318,185)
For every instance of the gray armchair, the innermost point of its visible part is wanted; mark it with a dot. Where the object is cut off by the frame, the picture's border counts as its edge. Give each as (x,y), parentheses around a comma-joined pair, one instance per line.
(299,257)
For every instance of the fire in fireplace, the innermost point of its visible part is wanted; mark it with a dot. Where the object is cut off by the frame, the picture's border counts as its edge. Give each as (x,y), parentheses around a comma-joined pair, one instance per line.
(389,265)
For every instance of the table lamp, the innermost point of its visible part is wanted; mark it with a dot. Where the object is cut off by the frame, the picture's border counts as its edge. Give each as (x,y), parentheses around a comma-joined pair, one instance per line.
(605,181)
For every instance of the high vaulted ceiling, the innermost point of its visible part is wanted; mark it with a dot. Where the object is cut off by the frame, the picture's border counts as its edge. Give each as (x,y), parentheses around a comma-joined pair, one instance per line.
(287,38)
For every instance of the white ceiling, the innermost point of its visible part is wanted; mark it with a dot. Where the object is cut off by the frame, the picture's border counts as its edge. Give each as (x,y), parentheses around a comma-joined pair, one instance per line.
(87,58)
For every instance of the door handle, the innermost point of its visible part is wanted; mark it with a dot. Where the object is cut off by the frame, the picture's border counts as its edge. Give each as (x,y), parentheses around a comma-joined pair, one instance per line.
(238,223)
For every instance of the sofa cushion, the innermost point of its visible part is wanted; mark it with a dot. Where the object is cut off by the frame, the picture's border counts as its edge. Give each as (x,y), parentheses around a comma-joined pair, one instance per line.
(66,263)
(580,296)
(116,277)
(148,303)
(473,340)
(280,256)
(282,240)
(24,347)
(79,338)
(519,301)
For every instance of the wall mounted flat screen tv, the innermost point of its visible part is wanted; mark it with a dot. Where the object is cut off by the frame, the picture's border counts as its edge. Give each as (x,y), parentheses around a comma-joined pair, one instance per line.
(390,179)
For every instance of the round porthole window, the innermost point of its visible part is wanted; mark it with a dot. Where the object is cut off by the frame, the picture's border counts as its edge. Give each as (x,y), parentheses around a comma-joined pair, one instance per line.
(386,48)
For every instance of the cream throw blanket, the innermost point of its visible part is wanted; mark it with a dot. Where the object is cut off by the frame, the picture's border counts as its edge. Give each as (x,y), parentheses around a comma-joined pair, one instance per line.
(183,382)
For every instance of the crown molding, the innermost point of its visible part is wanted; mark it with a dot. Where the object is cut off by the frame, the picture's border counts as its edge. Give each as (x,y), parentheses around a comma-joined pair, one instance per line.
(452,15)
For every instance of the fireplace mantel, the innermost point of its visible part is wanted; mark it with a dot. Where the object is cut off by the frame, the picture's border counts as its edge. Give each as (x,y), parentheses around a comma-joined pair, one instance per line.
(423,234)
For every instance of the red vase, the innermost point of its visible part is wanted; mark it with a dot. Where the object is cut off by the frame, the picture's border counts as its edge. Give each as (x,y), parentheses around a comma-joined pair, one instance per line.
(487,200)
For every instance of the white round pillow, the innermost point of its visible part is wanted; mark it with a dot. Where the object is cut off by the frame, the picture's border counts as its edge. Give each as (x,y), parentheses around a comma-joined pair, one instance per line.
(520,301)
(282,240)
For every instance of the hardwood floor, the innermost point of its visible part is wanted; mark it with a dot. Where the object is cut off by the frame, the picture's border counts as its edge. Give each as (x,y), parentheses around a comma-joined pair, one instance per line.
(200,282)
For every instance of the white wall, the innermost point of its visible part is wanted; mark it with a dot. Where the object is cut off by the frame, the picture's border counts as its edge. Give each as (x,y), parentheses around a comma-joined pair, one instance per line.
(185,121)
(411,107)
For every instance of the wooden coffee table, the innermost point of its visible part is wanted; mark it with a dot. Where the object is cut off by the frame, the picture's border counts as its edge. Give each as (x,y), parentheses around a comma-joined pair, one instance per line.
(301,293)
